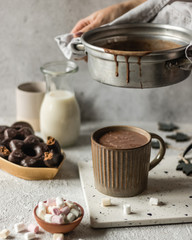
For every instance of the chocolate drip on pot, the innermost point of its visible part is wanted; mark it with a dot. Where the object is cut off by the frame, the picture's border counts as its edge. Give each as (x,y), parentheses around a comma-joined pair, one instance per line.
(140,74)
(127,62)
(139,63)
(117,66)
(127,55)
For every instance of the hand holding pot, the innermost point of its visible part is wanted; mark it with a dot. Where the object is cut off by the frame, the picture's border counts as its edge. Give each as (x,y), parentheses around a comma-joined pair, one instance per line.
(104,16)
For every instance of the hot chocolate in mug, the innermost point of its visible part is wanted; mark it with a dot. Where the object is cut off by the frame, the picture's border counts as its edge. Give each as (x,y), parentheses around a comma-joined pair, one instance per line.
(121,159)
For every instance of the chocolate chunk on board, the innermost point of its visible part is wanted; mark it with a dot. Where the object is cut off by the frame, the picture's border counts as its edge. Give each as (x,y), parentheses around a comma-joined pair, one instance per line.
(185,167)
(180,165)
(179,137)
(167,127)
(185,164)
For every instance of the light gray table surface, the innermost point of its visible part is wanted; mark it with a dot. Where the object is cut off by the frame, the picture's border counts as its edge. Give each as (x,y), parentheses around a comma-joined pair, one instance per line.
(18,197)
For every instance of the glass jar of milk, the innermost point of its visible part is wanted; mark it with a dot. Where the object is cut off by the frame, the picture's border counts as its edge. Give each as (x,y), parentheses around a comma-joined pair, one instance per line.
(60,114)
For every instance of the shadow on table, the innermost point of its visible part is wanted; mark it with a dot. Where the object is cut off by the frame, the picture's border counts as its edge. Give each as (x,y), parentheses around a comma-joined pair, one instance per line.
(165,185)
(68,171)
(85,231)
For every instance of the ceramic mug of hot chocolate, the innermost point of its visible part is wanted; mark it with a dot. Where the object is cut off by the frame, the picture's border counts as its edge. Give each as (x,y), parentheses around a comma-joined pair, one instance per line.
(29,97)
(121,159)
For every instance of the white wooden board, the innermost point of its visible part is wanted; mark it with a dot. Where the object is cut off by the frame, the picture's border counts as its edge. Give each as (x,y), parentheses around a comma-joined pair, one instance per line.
(173,188)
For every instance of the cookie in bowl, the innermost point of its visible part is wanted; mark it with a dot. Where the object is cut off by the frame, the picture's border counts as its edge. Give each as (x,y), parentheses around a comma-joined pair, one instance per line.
(27,156)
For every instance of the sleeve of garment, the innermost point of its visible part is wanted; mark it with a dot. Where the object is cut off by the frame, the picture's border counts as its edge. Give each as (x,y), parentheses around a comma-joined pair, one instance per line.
(178,13)
(143,13)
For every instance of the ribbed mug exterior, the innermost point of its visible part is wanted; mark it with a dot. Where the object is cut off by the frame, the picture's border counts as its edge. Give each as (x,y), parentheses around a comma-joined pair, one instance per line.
(120,172)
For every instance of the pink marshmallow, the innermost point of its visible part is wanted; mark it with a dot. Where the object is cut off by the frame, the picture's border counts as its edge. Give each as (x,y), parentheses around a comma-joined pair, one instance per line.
(51,202)
(65,210)
(56,211)
(33,228)
(57,219)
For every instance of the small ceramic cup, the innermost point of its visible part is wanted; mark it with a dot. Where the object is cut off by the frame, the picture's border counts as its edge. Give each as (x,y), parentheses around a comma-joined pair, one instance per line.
(29,97)
(123,172)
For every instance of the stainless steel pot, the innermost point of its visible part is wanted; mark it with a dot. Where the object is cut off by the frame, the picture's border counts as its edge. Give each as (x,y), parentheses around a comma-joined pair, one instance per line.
(154,54)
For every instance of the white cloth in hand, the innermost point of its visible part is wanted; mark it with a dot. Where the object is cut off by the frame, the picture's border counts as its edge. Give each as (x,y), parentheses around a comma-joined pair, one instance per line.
(67,43)
(155,11)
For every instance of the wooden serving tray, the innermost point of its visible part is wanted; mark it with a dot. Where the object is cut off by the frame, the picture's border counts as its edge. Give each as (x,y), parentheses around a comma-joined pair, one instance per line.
(30,173)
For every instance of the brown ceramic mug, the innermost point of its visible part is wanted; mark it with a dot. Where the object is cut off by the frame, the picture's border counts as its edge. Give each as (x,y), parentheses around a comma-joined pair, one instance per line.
(123,172)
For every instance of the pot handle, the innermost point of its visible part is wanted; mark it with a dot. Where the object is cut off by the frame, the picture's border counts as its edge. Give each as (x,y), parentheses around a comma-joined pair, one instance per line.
(182,63)
(188,52)
(77,47)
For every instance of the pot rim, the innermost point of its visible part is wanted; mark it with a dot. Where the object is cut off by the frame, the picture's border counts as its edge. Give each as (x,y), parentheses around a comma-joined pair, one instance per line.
(95,31)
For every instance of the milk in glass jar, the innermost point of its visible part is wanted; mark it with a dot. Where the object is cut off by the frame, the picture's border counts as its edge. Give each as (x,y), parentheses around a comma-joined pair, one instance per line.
(60,114)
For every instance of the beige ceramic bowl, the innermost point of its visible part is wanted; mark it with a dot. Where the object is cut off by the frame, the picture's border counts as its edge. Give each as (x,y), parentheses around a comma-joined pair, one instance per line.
(30,173)
(59,228)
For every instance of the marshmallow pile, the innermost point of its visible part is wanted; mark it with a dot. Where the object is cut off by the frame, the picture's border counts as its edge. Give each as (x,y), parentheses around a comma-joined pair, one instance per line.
(58,211)
(30,233)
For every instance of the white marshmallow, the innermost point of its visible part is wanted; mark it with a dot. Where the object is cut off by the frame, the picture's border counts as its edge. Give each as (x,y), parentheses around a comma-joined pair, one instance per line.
(4,233)
(69,203)
(106,202)
(75,212)
(50,209)
(70,217)
(126,209)
(19,227)
(154,201)
(41,205)
(41,210)
(48,218)
(58,236)
(29,235)
(41,213)
(60,202)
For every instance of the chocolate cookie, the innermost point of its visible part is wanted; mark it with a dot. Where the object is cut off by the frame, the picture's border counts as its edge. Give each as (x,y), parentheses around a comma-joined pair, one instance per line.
(28,152)
(4,152)
(53,157)
(19,145)
(20,124)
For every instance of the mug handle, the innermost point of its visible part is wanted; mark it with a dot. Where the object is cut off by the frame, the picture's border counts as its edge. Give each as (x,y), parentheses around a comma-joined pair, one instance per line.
(161,152)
